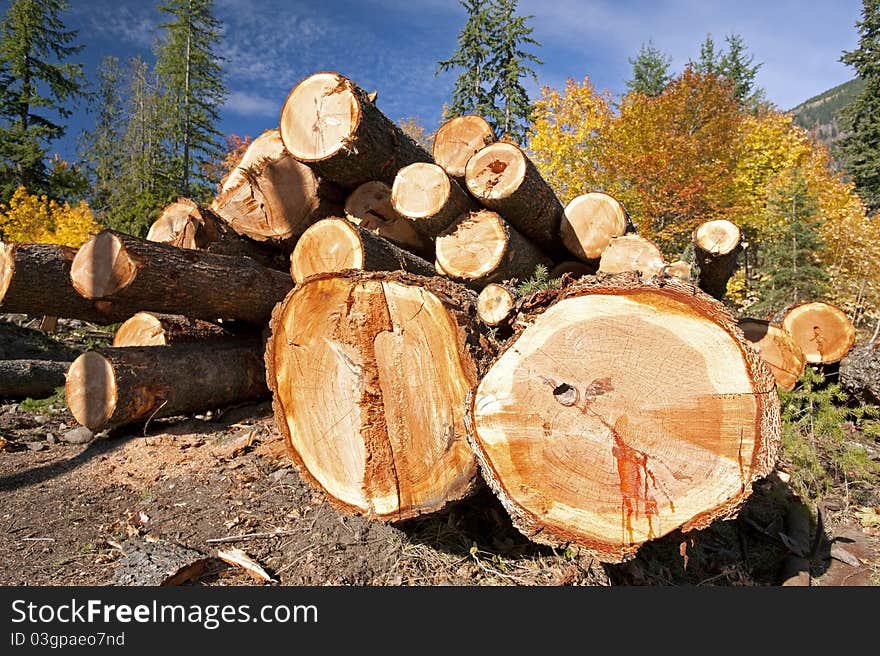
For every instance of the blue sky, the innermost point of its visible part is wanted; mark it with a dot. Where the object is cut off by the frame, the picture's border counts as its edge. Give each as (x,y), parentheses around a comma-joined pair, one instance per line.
(393,45)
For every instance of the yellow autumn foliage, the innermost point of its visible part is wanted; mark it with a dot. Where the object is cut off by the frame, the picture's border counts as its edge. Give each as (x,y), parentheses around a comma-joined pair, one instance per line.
(39,220)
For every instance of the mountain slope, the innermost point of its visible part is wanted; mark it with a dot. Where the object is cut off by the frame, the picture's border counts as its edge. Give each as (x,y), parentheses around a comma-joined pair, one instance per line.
(821,113)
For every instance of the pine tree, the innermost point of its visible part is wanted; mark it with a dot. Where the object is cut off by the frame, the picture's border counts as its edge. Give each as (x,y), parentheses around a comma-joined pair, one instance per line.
(861,146)
(789,270)
(37,86)
(512,108)
(739,69)
(650,73)
(193,89)
(709,62)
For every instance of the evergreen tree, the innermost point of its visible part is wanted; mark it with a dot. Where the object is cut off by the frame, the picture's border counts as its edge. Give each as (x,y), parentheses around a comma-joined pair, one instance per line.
(650,73)
(512,107)
(192,89)
(739,69)
(789,269)
(861,146)
(709,62)
(37,85)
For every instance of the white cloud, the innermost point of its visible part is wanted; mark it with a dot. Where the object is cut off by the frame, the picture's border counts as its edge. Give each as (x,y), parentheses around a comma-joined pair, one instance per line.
(246,104)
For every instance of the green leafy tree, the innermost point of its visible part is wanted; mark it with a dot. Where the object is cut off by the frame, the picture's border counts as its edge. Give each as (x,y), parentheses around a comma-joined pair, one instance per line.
(650,71)
(739,68)
(192,90)
(790,270)
(37,88)
(861,146)
(710,58)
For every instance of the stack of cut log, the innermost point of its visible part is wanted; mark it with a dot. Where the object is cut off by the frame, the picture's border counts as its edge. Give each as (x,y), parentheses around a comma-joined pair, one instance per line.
(363,282)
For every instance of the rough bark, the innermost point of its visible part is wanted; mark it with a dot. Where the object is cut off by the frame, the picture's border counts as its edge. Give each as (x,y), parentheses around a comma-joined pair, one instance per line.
(503,178)
(113,387)
(589,223)
(632,253)
(369,206)
(35,280)
(271,197)
(822,330)
(429,199)
(136,274)
(778,349)
(860,372)
(334,244)
(481,248)
(156,329)
(330,123)
(623,411)
(716,248)
(36,379)
(369,374)
(457,140)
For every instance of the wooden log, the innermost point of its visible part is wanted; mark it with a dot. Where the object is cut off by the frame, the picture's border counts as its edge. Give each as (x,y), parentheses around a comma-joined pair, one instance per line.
(632,253)
(502,178)
(113,387)
(573,267)
(716,248)
(35,280)
(424,195)
(156,329)
(680,269)
(481,248)
(369,374)
(369,206)
(187,224)
(335,244)
(822,330)
(859,372)
(457,140)
(36,379)
(329,123)
(495,304)
(589,223)
(627,409)
(272,197)
(778,349)
(136,274)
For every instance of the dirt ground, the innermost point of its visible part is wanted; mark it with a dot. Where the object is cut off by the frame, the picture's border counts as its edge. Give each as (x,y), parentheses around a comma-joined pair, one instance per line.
(86,514)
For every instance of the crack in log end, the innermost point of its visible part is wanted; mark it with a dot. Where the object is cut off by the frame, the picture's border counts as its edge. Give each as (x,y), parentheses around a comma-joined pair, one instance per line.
(820,341)
(635,482)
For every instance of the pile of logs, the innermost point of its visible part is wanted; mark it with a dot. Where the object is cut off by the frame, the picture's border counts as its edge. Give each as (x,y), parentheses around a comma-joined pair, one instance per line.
(370,288)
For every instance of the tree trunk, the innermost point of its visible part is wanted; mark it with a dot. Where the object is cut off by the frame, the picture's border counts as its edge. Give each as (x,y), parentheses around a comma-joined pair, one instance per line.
(155,329)
(36,379)
(271,197)
(333,245)
(117,386)
(632,253)
(777,348)
(186,224)
(481,248)
(716,248)
(860,372)
(504,179)
(495,304)
(369,374)
(35,280)
(626,410)
(369,206)
(590,222)
(136,274)
(329,123)
(457,140)
(823,331)
(427,197)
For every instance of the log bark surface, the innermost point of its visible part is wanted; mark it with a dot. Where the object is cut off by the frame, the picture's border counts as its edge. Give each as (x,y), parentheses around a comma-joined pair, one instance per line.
(429,199)
(369,206)
(778,349)
(716,249)
(457,140)
(330,123)
(860,372)
(333,245)
(481,248)
(369,374)
(113,387)
(502,178)
(157,329)
(36,379)
(822,330)
(136,274)
(35,280)
(625,410)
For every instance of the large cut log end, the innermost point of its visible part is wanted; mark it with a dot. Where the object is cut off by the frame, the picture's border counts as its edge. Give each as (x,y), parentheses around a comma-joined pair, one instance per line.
(632,253)
(369,206)
(624,411)
(589,223)
(102,267)
(90,390)
(458,139)
(369,375)
(823,331)
(7,267)
(778,349)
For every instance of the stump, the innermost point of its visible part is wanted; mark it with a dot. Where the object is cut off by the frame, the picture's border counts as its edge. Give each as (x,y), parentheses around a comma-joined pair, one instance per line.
(822,330)
(457,140)
(778,349)
(589,223)
(369,374)
(624,411)
(716,247)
